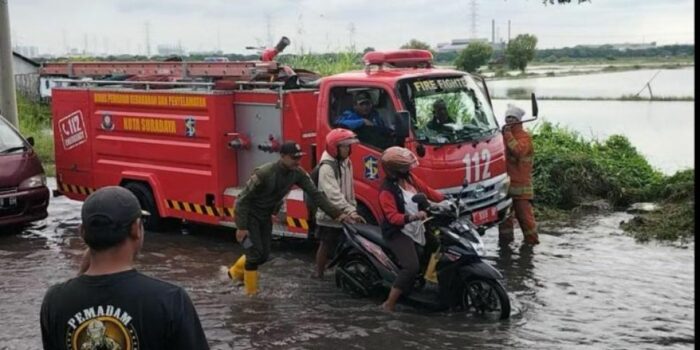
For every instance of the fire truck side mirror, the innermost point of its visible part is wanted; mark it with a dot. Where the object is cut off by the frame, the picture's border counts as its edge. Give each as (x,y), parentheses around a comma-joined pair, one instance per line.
(401,125)
(535,110)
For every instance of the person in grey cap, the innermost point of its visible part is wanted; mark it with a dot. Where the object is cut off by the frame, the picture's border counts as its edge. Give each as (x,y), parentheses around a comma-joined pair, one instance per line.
(262,198)
(126,309)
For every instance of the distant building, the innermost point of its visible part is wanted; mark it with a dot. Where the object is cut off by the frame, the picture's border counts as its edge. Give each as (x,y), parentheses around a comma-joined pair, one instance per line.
(457,45)
(23,65)
(624,46)
(27,51)
(26,73)
(206,53)
(170,50)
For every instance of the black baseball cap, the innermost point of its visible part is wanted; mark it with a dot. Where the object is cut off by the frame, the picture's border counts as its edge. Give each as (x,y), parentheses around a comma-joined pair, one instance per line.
(107,215)
(291,148)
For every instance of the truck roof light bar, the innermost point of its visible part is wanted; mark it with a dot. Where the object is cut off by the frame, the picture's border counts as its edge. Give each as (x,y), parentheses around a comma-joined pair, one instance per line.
(399,58)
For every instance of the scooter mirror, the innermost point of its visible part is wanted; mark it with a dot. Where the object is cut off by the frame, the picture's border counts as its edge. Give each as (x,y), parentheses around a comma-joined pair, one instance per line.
(421,200)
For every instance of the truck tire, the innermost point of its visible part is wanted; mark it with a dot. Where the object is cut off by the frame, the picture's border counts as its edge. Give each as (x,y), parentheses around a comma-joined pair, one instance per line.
(154,222)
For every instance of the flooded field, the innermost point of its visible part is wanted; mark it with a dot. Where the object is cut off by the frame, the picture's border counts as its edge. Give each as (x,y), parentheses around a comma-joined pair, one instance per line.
(667,83)
(661,131)
(584,287)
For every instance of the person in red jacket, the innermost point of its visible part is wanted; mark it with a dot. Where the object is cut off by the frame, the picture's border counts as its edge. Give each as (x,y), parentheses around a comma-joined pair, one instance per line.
(519,156)
(401,223)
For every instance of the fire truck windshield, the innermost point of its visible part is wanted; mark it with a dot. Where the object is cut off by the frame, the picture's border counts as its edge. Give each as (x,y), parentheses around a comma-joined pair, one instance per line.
(447,109)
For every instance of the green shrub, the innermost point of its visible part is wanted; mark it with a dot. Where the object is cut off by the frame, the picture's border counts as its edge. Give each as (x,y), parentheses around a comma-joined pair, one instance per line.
(569,170)
(325,64)
(35,121)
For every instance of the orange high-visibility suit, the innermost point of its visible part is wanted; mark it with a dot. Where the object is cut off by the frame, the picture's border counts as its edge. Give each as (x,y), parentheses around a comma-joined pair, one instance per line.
(519,156)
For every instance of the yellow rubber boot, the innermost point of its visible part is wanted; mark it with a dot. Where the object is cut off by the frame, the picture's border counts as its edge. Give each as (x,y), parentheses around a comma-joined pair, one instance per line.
(251,282)
(235,272)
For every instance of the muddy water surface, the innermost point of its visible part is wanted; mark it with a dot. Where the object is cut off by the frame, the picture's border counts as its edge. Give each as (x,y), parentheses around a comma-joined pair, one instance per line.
(584,287)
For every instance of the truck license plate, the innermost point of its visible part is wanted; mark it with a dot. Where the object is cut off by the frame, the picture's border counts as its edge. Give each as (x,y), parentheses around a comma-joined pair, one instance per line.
(9,202)
(485,216)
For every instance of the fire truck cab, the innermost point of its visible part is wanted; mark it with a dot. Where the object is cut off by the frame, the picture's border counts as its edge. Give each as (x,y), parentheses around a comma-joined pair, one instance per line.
(186,147)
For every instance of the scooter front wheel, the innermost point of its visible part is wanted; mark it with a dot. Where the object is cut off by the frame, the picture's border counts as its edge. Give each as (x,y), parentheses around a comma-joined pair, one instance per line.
(356,276)
(486,297)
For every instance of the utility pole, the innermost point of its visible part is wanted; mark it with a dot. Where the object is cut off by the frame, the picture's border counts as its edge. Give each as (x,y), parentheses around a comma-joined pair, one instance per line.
(8,96)
(268,26)
(474,18)
(351,32)
(65,42)
(148,40)
(508,30)
(218,42)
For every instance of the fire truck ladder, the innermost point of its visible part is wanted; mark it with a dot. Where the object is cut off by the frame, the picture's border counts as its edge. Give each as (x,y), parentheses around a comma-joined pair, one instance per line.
(243,70)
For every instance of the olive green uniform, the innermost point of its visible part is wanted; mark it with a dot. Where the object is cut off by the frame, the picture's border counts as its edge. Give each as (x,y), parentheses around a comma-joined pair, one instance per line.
(262,197)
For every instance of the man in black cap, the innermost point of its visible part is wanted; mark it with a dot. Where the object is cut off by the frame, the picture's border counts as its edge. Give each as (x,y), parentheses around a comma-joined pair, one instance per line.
(261,198)
(111,305)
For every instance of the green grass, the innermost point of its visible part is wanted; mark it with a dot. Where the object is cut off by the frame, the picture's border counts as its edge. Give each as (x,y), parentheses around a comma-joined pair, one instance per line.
(325,64)
(617,61)
(524,94)
(35,121)
(501,74)
(570,171)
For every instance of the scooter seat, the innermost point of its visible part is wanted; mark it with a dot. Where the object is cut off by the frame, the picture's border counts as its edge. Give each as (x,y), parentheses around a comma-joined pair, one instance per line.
(371,232)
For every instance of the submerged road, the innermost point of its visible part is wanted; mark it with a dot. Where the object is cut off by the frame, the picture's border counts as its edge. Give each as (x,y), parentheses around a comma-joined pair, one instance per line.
(588,286)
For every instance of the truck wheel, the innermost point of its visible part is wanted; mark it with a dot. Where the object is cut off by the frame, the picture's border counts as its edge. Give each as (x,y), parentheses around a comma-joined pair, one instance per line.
(154,222)
(366,214)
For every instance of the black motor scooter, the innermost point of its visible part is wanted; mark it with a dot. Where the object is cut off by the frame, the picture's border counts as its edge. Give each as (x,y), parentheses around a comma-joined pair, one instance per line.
(366,266)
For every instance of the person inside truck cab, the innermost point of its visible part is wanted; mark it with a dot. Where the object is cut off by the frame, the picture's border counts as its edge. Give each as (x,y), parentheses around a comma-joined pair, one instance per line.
(440,116)
(366,122)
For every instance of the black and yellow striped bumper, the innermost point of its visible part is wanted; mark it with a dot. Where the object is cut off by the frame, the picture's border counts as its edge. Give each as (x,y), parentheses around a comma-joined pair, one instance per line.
(66,188)
(199,208)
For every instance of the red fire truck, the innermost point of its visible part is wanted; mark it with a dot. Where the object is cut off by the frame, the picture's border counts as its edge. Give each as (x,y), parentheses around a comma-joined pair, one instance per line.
(185,136)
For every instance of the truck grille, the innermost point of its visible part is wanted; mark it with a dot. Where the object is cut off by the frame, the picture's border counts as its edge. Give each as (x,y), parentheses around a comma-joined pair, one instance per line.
(480,194)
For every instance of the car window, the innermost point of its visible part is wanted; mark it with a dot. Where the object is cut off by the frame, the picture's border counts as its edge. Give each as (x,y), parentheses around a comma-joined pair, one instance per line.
(8,137)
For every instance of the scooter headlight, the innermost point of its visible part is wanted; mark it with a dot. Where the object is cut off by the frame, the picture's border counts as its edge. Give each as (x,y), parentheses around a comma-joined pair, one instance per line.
(478,248)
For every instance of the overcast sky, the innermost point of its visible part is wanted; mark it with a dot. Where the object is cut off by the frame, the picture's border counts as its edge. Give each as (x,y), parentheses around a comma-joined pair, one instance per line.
(119,26)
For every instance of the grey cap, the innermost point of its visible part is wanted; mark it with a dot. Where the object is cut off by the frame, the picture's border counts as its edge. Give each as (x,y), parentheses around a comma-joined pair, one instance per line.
(110,207)
(515,111)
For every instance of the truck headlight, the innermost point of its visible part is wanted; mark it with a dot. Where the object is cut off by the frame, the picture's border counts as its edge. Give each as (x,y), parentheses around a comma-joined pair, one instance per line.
(33,182)
(505,186)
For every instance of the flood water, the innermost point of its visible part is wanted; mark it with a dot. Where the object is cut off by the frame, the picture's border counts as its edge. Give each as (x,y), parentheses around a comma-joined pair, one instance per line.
(581,288)
(668,83)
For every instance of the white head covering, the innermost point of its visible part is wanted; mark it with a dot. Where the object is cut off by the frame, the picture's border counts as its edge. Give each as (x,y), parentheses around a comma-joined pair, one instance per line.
(515,111)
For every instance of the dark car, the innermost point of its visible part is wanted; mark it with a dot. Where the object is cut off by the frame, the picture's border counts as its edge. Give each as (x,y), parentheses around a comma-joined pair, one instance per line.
(24,195)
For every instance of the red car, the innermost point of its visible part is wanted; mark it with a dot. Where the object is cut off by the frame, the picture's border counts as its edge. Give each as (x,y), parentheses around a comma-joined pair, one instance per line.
(24,195)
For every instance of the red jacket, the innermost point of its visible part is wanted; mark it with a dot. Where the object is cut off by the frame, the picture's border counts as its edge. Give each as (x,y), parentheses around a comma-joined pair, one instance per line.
(393,211)
(519,156)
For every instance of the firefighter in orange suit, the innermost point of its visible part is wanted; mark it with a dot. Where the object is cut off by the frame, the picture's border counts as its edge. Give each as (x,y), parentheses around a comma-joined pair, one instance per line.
(519,156)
